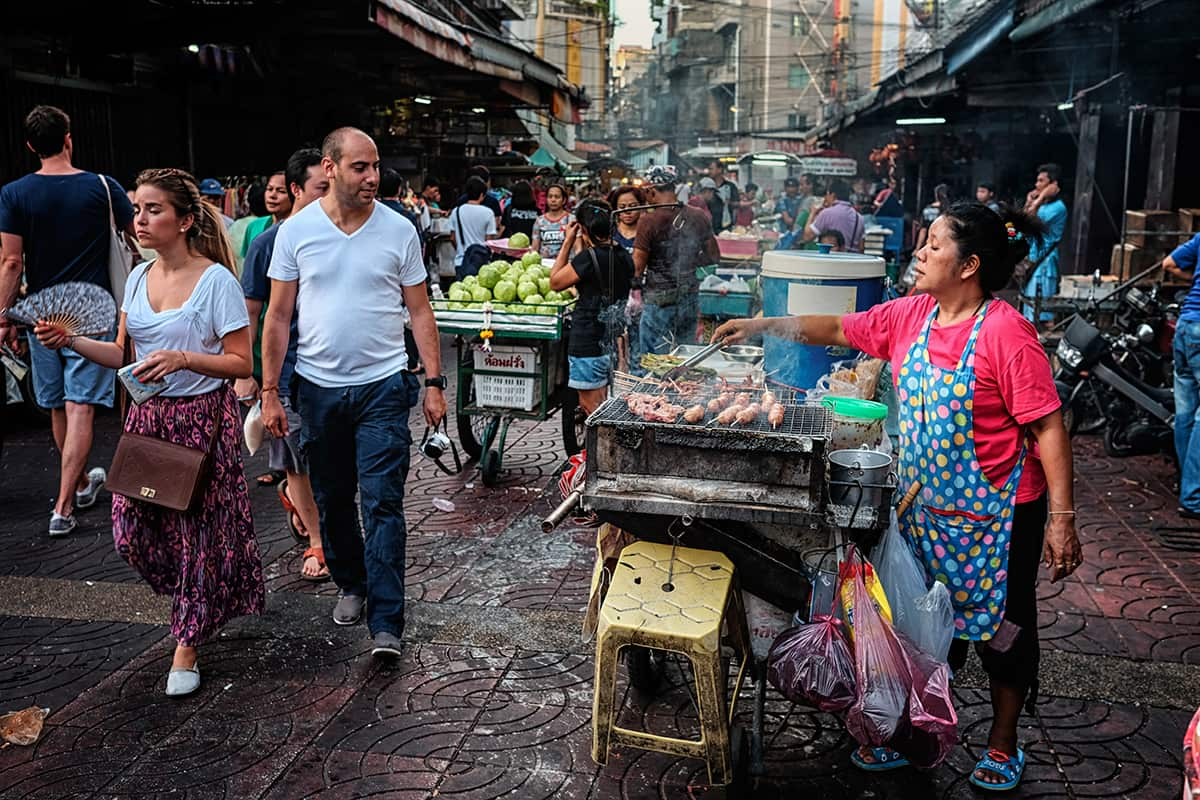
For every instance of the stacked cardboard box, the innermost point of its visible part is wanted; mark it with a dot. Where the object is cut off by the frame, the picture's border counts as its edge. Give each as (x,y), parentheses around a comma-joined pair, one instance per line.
(1152,235)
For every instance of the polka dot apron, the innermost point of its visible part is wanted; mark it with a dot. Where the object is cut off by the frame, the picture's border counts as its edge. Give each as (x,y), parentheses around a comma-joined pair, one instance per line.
(960,524)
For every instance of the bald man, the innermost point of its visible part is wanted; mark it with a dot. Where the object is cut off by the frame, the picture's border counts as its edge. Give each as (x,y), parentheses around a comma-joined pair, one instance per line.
(348,264)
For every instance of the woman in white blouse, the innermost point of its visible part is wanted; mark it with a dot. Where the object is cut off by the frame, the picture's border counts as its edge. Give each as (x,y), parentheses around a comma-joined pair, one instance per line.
(186,317)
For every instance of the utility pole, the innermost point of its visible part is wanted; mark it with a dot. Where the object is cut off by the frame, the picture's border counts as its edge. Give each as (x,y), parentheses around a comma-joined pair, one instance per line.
(539,29)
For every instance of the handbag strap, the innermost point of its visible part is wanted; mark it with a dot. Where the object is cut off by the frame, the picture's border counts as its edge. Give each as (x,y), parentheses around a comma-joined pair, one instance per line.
(127,346)
(112,217)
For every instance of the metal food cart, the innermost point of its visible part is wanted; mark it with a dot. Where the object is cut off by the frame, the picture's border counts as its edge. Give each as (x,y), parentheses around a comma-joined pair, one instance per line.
(519,371)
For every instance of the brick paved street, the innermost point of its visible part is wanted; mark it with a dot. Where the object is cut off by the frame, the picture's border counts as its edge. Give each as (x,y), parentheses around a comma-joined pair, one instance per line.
(492,697)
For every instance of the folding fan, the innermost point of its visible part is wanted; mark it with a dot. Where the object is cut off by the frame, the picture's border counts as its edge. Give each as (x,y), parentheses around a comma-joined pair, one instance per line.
(82,309)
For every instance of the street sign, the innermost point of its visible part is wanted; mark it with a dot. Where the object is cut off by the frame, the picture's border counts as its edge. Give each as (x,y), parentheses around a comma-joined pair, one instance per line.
(846,167)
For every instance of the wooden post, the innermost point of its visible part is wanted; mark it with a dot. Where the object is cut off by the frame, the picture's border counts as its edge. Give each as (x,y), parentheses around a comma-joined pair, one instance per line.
(1160,183)
(1085,190)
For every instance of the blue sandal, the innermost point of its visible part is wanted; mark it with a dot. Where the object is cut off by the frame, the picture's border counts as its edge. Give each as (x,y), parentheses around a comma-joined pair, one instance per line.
(1008,767)
(884,759)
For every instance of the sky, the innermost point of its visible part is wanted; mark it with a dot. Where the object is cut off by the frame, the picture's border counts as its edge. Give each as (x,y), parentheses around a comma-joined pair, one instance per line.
(636,26)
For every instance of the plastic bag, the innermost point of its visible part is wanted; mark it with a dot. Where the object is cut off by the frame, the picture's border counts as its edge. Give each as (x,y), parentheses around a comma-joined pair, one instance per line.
(864,572)
(881,665)
(922,614)
(738,284)
(812,664)
(713,283)
(931,730)
(766,622)
(253,429)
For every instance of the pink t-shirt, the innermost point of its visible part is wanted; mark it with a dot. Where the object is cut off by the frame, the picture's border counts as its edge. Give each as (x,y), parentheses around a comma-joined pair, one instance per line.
(1013,384)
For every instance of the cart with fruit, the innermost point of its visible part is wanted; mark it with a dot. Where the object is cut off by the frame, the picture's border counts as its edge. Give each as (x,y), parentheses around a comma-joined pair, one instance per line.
(510,331)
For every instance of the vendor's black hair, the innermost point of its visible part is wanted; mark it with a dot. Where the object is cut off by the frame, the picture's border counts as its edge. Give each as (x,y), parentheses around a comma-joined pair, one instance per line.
(839,189)
(751,187)
(977,230)
(596,218)
(1053,171)
(991,187)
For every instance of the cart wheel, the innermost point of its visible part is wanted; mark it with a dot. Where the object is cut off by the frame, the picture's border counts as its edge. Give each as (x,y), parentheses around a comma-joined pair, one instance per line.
(572,423)
(489,468)
(471,427)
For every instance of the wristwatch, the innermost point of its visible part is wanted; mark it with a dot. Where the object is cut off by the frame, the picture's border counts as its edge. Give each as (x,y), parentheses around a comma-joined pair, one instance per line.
(439,382)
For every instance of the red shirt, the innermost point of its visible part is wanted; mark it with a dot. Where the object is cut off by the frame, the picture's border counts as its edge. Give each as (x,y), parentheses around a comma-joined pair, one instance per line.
(1013,383)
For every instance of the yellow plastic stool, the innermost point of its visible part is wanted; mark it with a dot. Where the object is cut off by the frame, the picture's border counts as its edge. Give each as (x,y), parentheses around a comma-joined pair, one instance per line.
(679,605)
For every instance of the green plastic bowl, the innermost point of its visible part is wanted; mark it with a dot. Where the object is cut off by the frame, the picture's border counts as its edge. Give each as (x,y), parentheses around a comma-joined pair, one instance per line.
(858,409)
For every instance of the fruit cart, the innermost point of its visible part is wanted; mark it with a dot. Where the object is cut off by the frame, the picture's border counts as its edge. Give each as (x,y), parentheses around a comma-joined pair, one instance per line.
(512,364)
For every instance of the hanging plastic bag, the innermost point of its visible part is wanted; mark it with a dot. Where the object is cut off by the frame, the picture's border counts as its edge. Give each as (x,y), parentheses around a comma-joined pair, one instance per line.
(861,570)
(935,617)
(253,429)
(881,666)
(811,663)
(931,730)
(922,614)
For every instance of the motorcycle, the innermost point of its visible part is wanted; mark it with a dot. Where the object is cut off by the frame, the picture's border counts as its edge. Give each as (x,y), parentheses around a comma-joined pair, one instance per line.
(1094,369)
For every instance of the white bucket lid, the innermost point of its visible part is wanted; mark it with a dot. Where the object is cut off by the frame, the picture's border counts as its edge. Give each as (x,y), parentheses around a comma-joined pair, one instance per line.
(790,264)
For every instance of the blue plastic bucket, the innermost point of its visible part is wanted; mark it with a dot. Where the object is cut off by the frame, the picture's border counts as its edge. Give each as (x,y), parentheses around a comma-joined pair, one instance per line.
(798,282)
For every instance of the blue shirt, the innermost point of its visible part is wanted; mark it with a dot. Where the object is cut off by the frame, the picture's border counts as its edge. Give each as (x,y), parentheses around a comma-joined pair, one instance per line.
(1186,257)
(63,222)
(786,204)
(1054,216)
(257,286)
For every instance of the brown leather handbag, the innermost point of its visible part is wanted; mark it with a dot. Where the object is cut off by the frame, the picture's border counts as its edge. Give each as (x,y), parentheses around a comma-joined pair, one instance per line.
(152,470)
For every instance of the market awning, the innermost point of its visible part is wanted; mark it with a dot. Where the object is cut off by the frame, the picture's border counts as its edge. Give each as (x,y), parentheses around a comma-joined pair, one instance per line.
(552,154)
(997,22)
(1050,15)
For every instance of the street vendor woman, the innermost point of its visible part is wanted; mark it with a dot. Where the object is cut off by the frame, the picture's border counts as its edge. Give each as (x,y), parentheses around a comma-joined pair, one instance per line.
(981,432)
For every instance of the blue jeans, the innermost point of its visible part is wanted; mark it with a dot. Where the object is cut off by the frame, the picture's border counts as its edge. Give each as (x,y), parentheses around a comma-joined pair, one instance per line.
(1045,277)
(1187,412)
(356,438)
(663,327)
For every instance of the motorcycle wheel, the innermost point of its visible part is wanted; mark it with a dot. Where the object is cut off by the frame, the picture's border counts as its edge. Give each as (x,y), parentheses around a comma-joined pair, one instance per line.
(1114,442)
(1070,420)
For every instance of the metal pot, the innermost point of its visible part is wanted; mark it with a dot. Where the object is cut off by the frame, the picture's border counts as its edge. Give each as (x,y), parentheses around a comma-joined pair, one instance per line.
(859,477)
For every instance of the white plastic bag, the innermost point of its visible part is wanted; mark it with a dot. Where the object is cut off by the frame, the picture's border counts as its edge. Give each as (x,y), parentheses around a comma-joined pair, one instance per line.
(253,429)
(738,284)
(921,613)
(712,283)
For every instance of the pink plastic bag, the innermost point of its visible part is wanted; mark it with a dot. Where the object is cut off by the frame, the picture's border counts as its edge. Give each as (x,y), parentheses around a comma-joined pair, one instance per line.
(811,663)
(932,726)
(882,669)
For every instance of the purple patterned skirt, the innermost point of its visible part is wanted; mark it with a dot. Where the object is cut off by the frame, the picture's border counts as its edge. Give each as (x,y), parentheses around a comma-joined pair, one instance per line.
(207,559)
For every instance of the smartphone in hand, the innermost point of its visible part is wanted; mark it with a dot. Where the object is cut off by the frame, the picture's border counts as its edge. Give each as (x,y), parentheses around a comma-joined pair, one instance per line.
(139,391)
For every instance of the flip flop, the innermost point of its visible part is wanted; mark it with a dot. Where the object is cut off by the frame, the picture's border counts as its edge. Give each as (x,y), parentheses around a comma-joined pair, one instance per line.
(300,536)
(1008,767)
(319,554)
(272,478)
(884,759)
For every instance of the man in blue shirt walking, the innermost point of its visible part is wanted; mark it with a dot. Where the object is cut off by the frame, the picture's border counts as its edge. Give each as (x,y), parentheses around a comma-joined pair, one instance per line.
(1182,263)
(55,227)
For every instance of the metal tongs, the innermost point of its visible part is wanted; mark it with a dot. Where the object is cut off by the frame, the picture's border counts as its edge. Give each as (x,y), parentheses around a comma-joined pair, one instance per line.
(692,361)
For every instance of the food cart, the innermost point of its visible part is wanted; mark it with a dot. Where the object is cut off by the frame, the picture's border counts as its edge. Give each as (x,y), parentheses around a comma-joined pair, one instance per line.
(511,364)
(764,494)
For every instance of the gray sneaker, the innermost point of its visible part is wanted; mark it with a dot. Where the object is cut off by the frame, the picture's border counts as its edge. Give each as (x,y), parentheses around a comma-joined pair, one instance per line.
(61,526)
(386,646)
(348,610)
(87,498)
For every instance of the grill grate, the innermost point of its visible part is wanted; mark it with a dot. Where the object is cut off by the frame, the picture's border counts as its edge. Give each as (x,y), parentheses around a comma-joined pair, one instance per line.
(799,421)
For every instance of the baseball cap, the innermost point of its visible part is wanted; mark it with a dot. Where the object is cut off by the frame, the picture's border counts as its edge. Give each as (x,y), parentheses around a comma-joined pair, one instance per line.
(708,183)
(662,175)
(211,186)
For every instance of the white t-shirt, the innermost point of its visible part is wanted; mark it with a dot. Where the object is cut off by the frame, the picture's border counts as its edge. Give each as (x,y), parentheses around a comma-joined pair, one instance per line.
(216,307)
(472,223)
(350,294)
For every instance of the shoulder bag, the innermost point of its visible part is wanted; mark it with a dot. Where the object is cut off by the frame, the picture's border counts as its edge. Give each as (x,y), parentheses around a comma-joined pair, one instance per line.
(151,470)
(120,259)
